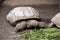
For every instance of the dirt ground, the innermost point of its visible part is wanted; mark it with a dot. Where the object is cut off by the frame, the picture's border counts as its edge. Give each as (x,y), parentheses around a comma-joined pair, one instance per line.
(6,30)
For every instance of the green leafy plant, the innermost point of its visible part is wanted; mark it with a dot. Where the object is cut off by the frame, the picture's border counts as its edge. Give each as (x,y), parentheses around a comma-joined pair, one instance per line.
(42,34)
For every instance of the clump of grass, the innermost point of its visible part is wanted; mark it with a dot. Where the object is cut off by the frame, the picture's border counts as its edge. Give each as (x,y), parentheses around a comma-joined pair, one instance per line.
(42,34)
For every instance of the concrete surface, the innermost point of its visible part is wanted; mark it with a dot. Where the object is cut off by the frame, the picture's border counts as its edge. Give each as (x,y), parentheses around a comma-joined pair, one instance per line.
(59,4)
(29,2)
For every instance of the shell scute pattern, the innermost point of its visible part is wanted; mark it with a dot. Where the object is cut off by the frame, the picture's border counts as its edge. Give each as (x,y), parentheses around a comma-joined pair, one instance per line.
(21,13)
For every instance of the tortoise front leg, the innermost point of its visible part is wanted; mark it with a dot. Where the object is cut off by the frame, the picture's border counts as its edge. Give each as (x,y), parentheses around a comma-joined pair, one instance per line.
(20,26)
(32,23)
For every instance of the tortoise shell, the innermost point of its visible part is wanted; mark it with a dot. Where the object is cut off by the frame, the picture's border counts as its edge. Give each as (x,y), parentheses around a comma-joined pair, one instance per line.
(21,13)
(56,20)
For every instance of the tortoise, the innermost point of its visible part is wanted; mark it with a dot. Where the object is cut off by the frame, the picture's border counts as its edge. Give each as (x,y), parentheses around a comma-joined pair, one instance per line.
(55,21)
(24,17)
